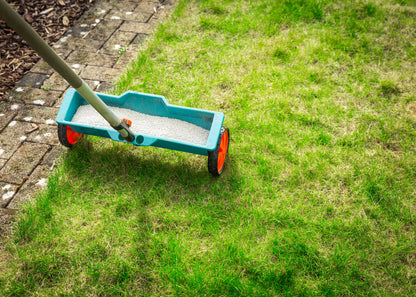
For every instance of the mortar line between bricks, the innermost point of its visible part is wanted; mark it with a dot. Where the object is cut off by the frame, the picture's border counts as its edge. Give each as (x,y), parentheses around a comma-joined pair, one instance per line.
(8,123)
(8,160)
(111,35)
(113,64)
(19,146)
(55,90)
(37,72)
(15,193)
(25,179)
(147,21)
(131,42)
(137,34)
(57,100)
(34,104)
(50,148)
(34,142)
(118,29)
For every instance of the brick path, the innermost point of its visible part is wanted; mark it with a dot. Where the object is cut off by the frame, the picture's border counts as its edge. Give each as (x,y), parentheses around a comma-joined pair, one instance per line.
(28,131)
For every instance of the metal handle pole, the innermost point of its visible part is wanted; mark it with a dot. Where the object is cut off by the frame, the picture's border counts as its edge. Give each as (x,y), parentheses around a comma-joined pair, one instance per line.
(15,21)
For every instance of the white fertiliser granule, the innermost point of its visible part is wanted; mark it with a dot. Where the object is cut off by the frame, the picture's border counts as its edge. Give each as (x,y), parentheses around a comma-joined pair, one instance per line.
(160,127)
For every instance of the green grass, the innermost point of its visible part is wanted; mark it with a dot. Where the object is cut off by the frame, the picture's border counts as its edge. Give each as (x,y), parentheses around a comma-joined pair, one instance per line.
(318,194)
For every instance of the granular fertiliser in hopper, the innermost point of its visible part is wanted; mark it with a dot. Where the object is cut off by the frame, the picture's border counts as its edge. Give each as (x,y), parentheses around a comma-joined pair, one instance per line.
(160,127)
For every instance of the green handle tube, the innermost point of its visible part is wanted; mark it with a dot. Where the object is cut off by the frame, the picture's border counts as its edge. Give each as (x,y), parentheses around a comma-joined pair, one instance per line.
(15,21)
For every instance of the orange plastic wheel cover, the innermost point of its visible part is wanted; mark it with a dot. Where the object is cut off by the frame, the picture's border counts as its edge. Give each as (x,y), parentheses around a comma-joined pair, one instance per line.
(222,153)
(72,136)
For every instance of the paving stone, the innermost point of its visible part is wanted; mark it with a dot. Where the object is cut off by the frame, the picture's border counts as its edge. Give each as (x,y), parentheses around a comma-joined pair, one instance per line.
(55,83)
(162,13)
(2,162)
(124,6)
(80,30)
(117,42)
(128,14)
(36,182)
(104,29)
(105,87)
(76,43)
(77,67)
(127,57)
(143,11)
(87,22)
(63,50)
(148,6)
(59,101)
(136,27)
(22,163)
(119,8)
(52,155)
(40,97)
(28,95)
(138,16)
(7,113)
(12,136)
(37,114)
(99,73)
(140,37)
(93,84)
(7,191)
(46,134)
(42,67)
(16,94)
(97,11)
(33,80)
(92,59)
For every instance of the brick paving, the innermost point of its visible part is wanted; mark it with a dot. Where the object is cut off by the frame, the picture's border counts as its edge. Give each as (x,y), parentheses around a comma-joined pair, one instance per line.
(28,131)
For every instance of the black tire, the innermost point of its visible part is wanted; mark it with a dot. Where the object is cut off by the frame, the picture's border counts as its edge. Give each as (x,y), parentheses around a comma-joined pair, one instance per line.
(217,157)
(64,138)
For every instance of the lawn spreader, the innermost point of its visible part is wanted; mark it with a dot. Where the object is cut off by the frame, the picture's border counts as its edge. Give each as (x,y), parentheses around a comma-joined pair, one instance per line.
(155,121)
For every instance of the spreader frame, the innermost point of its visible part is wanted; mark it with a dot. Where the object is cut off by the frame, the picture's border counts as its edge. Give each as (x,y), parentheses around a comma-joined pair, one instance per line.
(154,105)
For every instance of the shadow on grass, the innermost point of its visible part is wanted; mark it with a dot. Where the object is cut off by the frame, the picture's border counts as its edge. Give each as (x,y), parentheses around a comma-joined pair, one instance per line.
(120,165)
(122,210)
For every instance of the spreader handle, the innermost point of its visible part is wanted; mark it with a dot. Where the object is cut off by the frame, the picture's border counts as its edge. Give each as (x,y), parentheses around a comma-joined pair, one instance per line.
(14,20)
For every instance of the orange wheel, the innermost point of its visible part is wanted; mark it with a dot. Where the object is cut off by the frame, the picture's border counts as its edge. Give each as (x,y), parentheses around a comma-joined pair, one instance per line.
(216,158)
(67,136)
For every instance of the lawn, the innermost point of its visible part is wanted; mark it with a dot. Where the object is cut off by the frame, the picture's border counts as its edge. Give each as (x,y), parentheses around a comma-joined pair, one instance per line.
(317,197)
